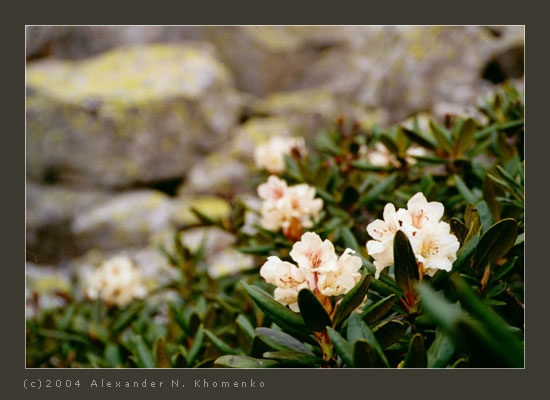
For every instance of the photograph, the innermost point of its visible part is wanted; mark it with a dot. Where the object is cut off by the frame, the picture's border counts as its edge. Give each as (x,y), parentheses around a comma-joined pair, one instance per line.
(274,196)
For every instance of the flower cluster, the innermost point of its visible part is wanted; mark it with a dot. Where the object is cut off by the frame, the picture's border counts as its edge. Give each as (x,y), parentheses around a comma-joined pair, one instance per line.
(290,208)
(117,281)
(380,156)
(319,269)
(271,155)
(433,243)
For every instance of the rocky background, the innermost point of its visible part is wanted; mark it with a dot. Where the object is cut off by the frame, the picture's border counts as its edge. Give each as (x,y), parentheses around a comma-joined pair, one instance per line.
(128,127)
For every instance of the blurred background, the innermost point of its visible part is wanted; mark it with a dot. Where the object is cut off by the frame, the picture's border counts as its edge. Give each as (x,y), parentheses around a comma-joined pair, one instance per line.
(128,127)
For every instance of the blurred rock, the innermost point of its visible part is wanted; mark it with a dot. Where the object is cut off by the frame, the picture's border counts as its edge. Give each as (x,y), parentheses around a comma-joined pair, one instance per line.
(136,114)
(213,239)
(76,42)
(408,69)
(127,219)
(49,213)
(213,207)
(218,173)
(229,262)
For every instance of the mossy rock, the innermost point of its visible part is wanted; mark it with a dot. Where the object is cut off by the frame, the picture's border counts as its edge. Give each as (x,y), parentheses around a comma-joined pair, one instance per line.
(134,114)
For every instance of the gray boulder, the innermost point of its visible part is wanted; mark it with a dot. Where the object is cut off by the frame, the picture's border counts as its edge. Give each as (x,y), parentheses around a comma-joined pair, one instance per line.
(135,114)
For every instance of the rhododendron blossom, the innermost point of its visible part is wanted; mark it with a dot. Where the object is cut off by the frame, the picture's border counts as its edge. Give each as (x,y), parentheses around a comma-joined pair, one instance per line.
(117,281)
(319,269)
(433,243)
(290,208)
(271,155)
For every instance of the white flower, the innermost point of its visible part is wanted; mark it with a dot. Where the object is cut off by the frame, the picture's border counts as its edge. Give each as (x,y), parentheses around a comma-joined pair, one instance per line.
(341,281)
(314,256)
(288,278)
(435,247)
(271,155)
(288,208)
(380,156)
(420,213)
(300,203)
(383,232)
(272,190)
(318,269)
(117,281)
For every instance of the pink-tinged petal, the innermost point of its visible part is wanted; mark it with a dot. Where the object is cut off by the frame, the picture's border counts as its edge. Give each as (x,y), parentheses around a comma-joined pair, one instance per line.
(417,201)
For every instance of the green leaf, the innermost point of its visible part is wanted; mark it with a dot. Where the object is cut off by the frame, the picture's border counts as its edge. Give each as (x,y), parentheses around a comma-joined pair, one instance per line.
(387,333)
(292,168)
(495,242)
(500,271)
(378,309)
(342,347)
(495,290)
(405,265)
(161,354)
(466,130)
(260,249)
(220,344)
(352,300)
(246,326)
(314,314)
(363,355)
(485,216)
(458,229)
(126,316)
(503,340)
(293,358)
(350,197)
(389,144)
(366,166)
(378,189)
(471,218)
(281,341)
(442,136)
(357,330)
(112,355)
(349,239)
(144,358)
(244,362)
(282,316)
(441,351)
(490,191)
(419,139)
(416,355)
(464,191)
(196,346)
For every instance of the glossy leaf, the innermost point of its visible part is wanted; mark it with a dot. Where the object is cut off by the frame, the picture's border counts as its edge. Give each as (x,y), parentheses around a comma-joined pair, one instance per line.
(496,242)
(161,354)
(416,354)
(342,347)
(282,316)
(293,358)
(378,309)
(441,351)
(314,314)
(352,300)
(244,362)
(387,333)
(405,265)
(281,341)
(363,355)
(357,330)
